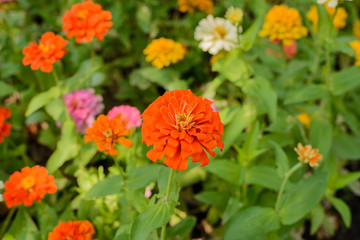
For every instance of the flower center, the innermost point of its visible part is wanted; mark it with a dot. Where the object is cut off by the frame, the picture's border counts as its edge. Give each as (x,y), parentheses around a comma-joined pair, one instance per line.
(83,14)
(183,121)
(28,183)
(45,47)
(108,133)
(221,31)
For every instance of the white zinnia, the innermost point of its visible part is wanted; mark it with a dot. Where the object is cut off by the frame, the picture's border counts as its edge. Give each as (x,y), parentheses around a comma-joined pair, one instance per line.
(215,34)
(331,3)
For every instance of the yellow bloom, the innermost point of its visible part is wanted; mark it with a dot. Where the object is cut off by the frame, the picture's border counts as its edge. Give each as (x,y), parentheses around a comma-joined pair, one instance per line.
(206,6)
(161,52)
(304,118)
(308,155)
(339,20)
(356,28)
(216,57)
(283,23)
(234,15)
(356,46)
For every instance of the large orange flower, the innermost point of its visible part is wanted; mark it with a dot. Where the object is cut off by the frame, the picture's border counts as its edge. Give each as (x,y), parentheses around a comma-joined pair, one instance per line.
(4,127)
(73,230)
(27,186)
(86,20)
(181,125)
(106,132)
(43,55)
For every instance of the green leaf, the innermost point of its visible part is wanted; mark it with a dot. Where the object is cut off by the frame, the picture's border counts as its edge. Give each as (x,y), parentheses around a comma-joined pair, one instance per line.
(6,89)
(142,176)
(251,142)
(143,18)
(317,217)
(321,135)
(232,207)
(346,80)
(344,180)
(56,109)
(153,218)
(224,169)
(41,99)
(261,89)
(214,198)
(251,223)
(107,186)
(264,176)
(67,148)
(342,208)
(282,161)
(249,37)
(301,198)
(22,227)
(346,147)
(306,93)
(47,218)
(180,230)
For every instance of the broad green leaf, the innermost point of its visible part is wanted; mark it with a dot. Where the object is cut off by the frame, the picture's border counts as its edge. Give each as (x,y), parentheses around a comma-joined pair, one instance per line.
(180,230)
(249,36)
(214,198)
(108,186)
(232,207)
(251,223)
(41,99)
(224,169)
(326,30)
(47,218)
(137,199)
(261,89)
(301,198)
(251,142)
(346,80)
(22,227)
(307,93)
(142,176)
(282,161)
(345,179)
(321,135)
(317,217)
(342,208)
(143,18)
(264,176)
(6,89)
(346,147)
(153,218)
(192,176)
(56,109)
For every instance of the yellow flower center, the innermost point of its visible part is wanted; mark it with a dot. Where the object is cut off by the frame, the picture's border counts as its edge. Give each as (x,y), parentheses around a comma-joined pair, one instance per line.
(83,14)
(46,47)
(108,133)
(221,31)
(28,183)
(183,121)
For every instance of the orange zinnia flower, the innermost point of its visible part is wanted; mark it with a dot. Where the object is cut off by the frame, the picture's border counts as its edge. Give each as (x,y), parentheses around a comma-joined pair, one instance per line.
(74,230)
(308,155)
(43,55)
(27,186)
(4,127)
(106,132)
(86,20)
(181,125)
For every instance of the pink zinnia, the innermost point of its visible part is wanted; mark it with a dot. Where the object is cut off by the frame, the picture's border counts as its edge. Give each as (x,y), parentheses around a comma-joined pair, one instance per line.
(131,114)
(83,106)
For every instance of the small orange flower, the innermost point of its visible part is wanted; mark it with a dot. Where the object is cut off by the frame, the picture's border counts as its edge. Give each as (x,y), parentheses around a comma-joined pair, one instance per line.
(106,132)
(4,127)
(308,155)
(181,125)
(27,186)
(206,6)
(86,20)
(73,230)
(43,55)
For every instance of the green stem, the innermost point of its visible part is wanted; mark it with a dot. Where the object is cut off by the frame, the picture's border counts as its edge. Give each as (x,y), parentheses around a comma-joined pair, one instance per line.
(167,195)
(155,235)
(56,78)
(6,222)
(287,176)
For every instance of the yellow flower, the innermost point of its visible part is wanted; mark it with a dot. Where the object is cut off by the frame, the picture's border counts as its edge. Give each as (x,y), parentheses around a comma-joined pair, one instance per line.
(308,155)
(283,23)
(216,57)
(161,52)
(304,118)
(234,15)
(206,6)
(339,20)
(356,46)
(356,28)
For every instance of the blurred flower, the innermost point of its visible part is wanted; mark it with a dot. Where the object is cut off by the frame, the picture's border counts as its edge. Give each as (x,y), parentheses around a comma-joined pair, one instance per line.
(206,6)
(181,125)
(106,132)
(4,127)
(86,20)
(234,15)
(308,155)
(290,50)
(147,193)
(83,106)
(304,118)
(284,24)
(43,55)
(163,51)
(339,20)
(129,113)
(1,187)
(216,34)
(27,186)
(356,46)
(356,28)
(73,230)
(216,57)
(330,3)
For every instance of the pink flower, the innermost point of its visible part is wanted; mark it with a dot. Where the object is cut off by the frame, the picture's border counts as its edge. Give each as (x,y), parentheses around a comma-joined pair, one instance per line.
(83,106)
(131,114)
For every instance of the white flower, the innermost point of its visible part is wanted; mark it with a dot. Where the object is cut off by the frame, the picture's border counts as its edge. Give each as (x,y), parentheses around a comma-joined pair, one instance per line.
(215,34)
(234,15)
(1,184)
(1,198)
(331,3)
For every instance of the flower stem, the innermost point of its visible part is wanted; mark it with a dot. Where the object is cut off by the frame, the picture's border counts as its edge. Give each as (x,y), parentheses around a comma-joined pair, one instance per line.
(167,195)
(287,176)
(155,235)
(56,78)
(6,222)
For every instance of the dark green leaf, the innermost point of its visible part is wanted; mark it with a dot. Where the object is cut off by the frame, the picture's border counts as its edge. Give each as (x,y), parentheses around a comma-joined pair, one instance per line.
(108,186)
(342,208)
(346,80)
(306,93)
